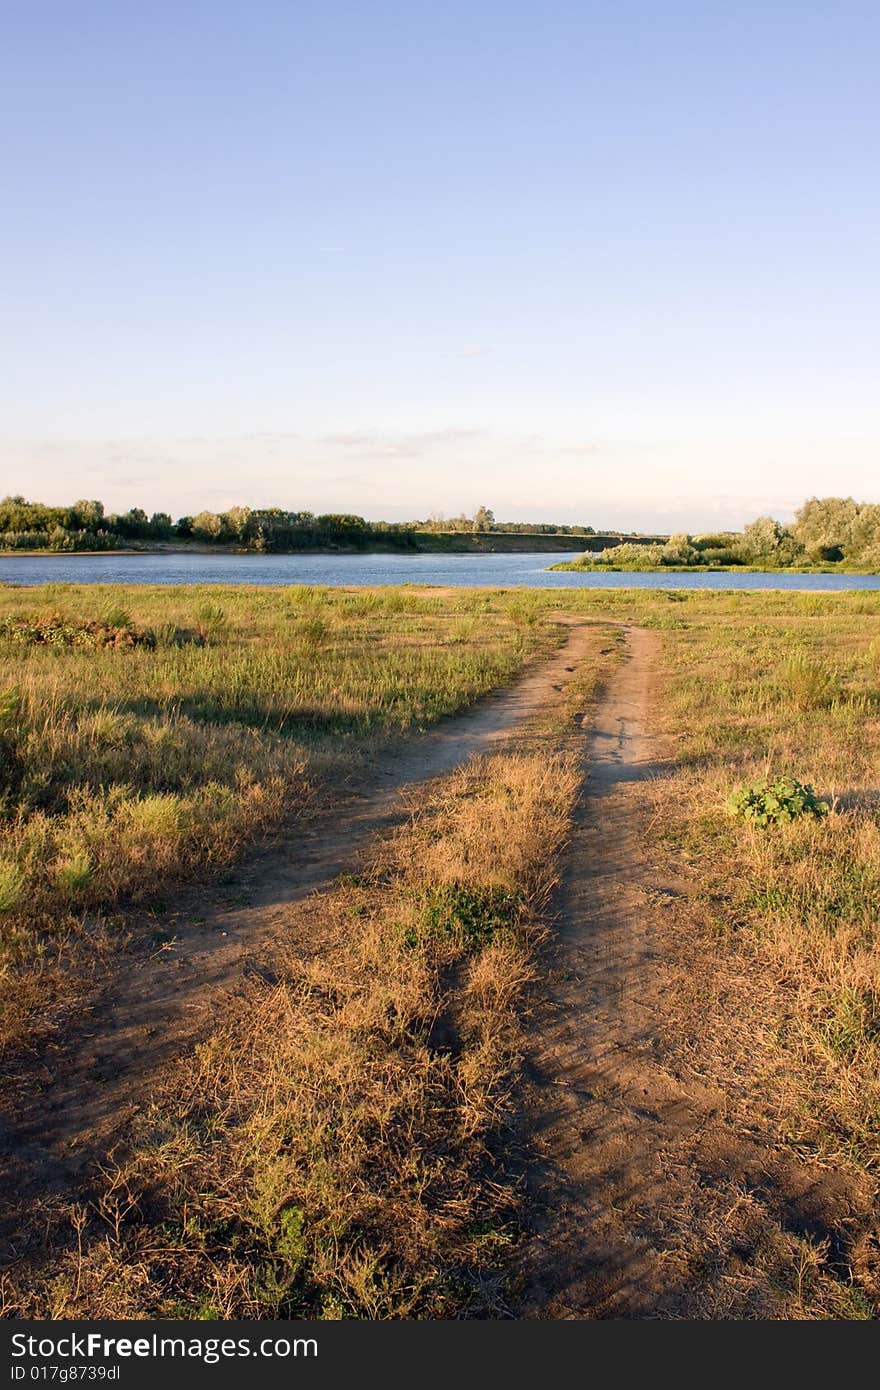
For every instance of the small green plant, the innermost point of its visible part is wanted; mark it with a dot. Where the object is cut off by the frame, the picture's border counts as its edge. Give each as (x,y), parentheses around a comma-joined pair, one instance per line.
(776,802)
(74,873)
(808,684)
(10,705)
(290,1243)
(211,622)
(116,617)
(11,884)
(466,916)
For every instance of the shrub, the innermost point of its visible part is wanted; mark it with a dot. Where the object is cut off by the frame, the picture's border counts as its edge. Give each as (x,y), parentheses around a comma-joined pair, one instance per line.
(720,555)
(116,617)
(779,802)
(629,554)
(52,630)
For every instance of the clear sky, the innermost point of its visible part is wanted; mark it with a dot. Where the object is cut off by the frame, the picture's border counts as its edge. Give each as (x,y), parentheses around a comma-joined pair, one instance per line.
(611,262)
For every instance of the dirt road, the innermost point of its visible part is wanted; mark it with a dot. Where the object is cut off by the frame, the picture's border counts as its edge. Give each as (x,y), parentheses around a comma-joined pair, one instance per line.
(655,1189)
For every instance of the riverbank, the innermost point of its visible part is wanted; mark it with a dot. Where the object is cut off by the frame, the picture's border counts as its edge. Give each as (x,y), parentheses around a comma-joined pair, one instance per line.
(596,567)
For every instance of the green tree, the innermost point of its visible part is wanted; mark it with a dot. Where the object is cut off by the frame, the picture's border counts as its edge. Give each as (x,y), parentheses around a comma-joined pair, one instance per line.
(207,526)
(236,520)
(824,526)
(865,537)
(761,539)
(88,515)
(679,550)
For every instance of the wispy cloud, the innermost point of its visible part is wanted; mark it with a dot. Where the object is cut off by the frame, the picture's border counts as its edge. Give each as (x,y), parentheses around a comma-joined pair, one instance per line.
(380,444)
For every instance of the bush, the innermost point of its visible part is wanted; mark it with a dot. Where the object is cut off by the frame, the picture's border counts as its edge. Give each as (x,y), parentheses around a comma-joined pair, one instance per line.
(466,916)
(720,555)
(776,803)
(629,554)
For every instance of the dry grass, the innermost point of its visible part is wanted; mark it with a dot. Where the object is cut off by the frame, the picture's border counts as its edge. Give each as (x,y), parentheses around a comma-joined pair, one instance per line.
(332,1152)
(801,901)
(335,1151)
(127,766)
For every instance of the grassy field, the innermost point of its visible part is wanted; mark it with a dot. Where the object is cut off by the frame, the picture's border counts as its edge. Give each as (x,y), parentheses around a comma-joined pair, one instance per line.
(790,686)
(148,733)
(330,1150)
(338,1150)
(325,1156)
(781,684)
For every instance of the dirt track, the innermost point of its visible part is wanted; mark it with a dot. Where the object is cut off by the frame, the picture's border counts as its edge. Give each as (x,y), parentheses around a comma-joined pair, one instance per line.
(654,1192)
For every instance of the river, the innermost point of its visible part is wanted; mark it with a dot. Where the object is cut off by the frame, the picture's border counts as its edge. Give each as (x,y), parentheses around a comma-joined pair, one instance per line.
(497,570)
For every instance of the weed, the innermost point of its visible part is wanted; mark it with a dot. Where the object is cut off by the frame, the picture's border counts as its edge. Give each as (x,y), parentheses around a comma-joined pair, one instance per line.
(11,885)
(74,873)
(776,802)
(465,915)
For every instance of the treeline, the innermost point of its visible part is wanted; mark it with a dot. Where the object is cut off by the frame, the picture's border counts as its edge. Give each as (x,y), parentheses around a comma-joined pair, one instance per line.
(483,521)
(86,526)
(826,530)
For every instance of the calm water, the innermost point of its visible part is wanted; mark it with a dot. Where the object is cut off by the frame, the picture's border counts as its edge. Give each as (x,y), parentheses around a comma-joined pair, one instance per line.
(502,570)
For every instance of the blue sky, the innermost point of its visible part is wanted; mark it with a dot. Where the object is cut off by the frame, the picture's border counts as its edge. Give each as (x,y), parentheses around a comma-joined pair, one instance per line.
(610,263)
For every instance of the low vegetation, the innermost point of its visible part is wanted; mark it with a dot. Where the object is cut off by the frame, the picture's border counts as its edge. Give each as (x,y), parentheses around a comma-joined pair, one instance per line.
(332,1152)
(776,801)
(149,734)
(828,533)
(790,887)
(338,1147)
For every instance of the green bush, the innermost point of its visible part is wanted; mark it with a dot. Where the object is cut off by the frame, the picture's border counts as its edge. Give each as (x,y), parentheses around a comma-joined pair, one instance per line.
(776,803)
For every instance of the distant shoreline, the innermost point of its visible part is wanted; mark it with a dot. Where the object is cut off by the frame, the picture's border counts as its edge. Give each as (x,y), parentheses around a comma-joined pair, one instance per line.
(426,543)
(574,567)
(443,544)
